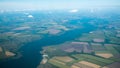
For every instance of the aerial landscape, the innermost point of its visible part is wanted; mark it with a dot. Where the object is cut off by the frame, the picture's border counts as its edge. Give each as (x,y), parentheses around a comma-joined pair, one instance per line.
(60,38)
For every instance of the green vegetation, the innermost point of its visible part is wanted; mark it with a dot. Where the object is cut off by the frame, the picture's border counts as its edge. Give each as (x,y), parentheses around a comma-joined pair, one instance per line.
(89,37)
(84,37)
(111,37)
(114,40)
(98,47)
(58,63)
(93,59)
(102,51)
(112,50)
(117,48)
(115,59)
(71,63)
(56,52)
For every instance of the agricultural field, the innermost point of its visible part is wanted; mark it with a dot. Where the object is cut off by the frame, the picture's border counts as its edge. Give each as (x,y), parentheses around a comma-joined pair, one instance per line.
(98,47)
(71,38)
(112,36)
(94,59)
(90,65)
(64,59)
(113,65)
(92,36)
(58,63)
(85,54)
(84,64)
(104,55)
(80,60)
(112,49)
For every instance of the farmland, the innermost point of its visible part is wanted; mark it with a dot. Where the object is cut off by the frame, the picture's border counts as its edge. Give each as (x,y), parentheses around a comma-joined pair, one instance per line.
(87,51)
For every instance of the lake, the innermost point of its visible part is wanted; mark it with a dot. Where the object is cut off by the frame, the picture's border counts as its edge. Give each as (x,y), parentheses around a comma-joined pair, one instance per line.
(31,56)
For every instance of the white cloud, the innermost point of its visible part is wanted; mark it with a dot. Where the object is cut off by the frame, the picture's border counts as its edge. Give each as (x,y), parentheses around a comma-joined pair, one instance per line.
(30,16)
(73,11)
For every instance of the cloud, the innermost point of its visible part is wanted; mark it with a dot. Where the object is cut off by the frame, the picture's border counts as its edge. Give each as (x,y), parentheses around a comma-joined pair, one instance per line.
(73,11)
(30,16)
(57,4)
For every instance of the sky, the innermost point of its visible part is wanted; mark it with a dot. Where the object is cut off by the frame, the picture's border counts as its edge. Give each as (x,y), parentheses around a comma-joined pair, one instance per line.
(57,4)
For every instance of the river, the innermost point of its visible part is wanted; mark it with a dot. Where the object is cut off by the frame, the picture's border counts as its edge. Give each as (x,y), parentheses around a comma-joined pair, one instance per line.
(31,56)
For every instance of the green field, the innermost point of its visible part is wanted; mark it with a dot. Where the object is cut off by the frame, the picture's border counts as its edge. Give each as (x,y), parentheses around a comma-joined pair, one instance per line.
(112,50)
(102,52)
(93,59)
(117,48)
(60,65)
(98,48)
(111,36)
(89,37)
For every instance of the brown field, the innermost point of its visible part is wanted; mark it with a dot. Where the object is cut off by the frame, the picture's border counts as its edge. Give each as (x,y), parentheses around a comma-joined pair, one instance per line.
(105,55)
(105,67)
(58,62)
(64,59)
(82,43)
(70,50)
(81,65)
(74,66)
(98,40)
(71,47)
(89,64)
(9,54)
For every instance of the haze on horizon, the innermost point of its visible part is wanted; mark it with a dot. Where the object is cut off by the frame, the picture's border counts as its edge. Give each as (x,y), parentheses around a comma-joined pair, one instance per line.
(58,4)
